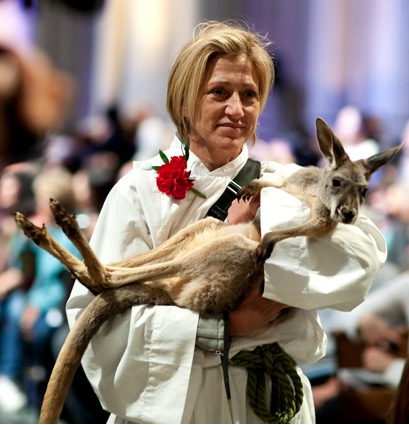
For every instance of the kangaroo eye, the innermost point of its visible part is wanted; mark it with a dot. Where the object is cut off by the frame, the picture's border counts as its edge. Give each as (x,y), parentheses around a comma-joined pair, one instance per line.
(364,192)
(336,182)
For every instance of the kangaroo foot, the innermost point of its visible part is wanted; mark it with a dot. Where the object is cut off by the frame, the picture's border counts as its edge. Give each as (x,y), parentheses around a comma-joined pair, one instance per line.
(39,235)
(65,220)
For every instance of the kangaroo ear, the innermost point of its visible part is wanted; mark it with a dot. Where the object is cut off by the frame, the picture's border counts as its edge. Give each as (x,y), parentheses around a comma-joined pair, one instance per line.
(375,162)
(329,144)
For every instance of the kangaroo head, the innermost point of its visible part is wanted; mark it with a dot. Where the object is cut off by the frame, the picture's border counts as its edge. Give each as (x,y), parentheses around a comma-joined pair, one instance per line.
(344,183)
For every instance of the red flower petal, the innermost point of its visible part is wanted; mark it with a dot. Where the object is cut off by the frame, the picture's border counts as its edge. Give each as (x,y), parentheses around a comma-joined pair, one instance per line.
(173,179)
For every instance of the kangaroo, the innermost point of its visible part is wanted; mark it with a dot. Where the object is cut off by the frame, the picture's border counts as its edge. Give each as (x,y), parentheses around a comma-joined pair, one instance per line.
(334,193)
(209,266)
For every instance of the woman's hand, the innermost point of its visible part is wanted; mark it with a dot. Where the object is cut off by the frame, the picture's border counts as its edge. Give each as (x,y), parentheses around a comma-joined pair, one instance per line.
(10,279)
(254,312)
(243,211)
(374,329)
(376,360)
(27,322)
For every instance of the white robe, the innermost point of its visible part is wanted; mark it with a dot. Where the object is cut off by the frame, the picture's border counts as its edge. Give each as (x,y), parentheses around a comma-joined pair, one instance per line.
(144,365)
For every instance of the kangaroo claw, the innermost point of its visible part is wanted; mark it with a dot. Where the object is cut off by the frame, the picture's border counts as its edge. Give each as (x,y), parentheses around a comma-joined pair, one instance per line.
(264,250)
(248,191)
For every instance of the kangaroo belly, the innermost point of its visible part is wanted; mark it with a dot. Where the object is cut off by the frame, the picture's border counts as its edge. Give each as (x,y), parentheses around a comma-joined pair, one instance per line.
(247,230)
(216,276)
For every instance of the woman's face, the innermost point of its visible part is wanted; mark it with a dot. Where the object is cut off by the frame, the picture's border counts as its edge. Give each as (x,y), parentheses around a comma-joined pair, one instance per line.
(10,188)
(228,110)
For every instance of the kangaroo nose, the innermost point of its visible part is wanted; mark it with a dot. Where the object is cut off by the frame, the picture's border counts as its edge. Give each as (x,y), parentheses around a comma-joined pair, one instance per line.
(347,215)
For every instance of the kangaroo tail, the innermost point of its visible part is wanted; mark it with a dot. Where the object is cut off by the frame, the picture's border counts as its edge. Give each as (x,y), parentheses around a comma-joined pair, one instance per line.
(103,307)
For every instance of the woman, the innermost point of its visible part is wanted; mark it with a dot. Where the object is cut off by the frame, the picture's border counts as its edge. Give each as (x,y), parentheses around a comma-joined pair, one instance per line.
(156,364)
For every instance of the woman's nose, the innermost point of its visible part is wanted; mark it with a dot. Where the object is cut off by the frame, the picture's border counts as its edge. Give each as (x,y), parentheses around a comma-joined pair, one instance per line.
(234,105)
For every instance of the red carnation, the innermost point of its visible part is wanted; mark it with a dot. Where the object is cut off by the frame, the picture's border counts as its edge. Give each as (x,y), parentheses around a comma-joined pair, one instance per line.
(173,179)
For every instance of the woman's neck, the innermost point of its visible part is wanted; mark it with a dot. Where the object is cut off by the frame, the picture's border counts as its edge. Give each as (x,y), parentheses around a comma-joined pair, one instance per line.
(215,159)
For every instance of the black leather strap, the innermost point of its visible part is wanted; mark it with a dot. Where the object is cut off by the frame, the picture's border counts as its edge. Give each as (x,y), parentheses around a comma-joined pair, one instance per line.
(250,171)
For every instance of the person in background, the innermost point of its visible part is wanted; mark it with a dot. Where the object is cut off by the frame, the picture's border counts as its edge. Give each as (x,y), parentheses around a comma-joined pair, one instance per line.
(41,303)
(381,322)
(350,127)
(16,194)
(34,98)
(163,364)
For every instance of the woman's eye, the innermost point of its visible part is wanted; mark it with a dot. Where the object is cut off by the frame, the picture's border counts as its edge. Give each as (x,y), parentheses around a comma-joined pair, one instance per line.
(219,92)
(251,94)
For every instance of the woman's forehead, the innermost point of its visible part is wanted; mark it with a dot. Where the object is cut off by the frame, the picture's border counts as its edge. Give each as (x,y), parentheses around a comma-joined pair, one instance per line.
(232,66)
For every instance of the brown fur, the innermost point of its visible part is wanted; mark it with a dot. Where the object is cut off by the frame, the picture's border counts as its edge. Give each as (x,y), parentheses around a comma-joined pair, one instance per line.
(209,266)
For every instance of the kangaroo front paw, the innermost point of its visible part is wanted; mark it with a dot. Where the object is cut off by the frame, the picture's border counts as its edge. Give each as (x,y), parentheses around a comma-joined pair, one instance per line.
(248,191)
(265,248)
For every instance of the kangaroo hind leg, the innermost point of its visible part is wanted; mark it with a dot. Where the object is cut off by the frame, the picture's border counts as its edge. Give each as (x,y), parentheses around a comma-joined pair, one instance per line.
(41,237)
(174,246)
(44,240)
(70,227)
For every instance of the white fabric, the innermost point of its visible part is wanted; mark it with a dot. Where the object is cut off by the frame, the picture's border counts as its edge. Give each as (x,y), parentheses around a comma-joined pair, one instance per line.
(144,365)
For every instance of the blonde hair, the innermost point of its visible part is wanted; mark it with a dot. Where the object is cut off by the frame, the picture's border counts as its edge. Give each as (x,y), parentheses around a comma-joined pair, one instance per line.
(56,183)
(190,66)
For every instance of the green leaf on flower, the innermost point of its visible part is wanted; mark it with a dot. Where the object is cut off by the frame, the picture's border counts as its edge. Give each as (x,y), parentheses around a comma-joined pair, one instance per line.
(186,149)
(198,193)
(155,167)
(163,156)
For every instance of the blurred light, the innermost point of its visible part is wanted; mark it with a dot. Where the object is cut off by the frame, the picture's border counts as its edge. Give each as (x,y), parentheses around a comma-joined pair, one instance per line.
(16,26)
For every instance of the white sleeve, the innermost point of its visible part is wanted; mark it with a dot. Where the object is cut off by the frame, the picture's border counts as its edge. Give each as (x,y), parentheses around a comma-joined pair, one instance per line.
(336,271)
